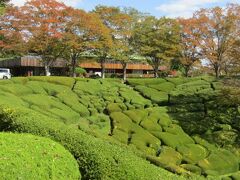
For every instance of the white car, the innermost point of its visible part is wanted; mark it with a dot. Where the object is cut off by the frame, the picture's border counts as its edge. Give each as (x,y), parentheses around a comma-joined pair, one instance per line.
(5,73)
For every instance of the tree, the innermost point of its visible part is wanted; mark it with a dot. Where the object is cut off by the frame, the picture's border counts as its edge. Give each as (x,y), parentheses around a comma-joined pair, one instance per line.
(158,40)
(123,41)
(121,23)
(115,20)
(39,24)
(45,21)
(231,64)
(123,38)
(11,36)
(216,34)
(83,32)
(190,52)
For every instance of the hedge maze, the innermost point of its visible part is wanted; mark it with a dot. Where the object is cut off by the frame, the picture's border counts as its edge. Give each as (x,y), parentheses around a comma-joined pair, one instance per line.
(144,129)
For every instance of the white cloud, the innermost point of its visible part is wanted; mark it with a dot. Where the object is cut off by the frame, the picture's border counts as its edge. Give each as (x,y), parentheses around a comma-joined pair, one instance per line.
(183,8)
(73,3)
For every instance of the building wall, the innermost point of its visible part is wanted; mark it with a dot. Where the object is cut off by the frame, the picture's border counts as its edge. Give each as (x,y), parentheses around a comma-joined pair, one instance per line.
(32,65)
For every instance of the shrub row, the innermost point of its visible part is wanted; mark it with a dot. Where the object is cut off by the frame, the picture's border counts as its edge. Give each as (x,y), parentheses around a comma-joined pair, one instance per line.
(167,145)
(97,159)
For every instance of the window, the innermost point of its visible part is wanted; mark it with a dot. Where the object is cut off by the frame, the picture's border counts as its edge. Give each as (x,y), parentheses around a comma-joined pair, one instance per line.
(3,71)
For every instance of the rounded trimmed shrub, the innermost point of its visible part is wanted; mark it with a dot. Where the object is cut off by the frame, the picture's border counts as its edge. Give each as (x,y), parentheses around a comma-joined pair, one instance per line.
(24,156)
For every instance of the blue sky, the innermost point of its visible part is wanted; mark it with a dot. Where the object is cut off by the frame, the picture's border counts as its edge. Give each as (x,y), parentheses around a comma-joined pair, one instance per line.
(171,8)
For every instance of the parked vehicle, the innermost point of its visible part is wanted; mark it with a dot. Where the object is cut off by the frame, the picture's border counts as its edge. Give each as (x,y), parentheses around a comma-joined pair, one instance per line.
(5,73)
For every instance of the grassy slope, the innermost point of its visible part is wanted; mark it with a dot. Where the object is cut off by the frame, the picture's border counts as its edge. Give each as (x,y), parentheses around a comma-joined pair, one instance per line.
(145,126)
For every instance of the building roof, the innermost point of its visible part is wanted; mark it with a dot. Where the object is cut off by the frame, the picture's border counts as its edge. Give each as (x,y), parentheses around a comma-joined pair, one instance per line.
(29,61)
(136,66)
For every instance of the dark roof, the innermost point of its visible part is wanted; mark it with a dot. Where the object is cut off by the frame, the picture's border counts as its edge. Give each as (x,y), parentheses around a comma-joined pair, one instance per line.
(29,61)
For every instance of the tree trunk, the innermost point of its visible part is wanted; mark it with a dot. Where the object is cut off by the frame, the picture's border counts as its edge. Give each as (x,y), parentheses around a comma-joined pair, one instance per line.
(226,70)
(74,65)
(124,65)
(156,71)
(103,68)
(47,70)
(186,71)
(155,64)
(217,70)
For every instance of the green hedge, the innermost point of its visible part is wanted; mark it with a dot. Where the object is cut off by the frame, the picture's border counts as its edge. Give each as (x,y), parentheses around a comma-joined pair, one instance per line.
(220,162)
(166,86)
(66,81)
(144,82)
(192,153)
(24,156)
(97,159)
(154,95)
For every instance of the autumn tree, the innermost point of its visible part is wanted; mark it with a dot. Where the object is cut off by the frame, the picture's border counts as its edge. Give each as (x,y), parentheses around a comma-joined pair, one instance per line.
(48,17)
(84,32)
(231,64)
(216,34)
(11,33)
(39,23)
(190,52)
(158,40)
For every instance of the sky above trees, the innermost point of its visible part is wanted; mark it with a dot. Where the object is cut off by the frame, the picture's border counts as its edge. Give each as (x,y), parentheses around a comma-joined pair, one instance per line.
(172,8)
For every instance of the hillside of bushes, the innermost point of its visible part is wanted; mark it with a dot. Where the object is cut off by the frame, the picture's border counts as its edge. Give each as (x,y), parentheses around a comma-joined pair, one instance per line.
(172,128)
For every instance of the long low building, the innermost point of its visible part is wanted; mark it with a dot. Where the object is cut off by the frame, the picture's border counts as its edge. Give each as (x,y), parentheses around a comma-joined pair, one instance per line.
(133,69)
(33,66)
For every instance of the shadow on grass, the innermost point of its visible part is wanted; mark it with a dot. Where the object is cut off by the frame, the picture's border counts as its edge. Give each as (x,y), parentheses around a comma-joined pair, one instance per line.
(210,117)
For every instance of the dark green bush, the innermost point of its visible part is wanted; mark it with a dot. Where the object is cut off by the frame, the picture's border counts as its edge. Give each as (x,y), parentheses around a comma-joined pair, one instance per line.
(150,125)
(20,80)
(11,99)
(80,71)
(174,140)
(236,176)
(177,81)
(154,95)
(52,106)
(189,107)
(220,162)
(136,115)
(192,153)
(166,86)
(16,89)
(113,107)
(192,168)
(66,81)
(144,82)
(167,158)
(36,87)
